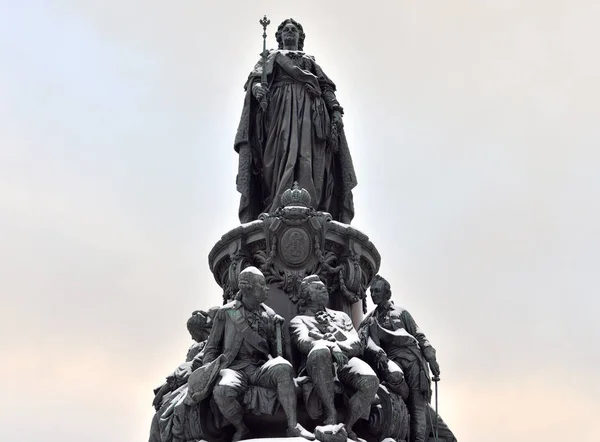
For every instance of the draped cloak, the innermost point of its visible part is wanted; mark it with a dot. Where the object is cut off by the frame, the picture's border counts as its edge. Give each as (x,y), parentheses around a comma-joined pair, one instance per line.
(292,141)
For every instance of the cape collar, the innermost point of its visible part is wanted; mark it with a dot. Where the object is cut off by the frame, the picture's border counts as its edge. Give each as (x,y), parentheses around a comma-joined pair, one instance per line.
(388,306)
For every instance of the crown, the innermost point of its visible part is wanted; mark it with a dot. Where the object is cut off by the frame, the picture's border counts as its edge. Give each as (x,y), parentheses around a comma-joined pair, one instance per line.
(296,196)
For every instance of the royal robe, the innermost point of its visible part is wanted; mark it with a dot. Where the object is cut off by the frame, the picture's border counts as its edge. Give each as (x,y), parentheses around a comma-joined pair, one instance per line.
(293,140)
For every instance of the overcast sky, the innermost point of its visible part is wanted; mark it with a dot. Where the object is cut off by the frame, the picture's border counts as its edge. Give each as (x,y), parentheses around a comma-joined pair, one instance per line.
(474,131)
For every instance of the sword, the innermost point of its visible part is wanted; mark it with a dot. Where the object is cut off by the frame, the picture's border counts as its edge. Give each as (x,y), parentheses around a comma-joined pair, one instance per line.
(436,380)
(263,79)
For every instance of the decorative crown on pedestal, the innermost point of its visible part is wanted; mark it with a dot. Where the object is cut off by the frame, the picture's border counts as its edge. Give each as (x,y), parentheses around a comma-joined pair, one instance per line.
(296,196)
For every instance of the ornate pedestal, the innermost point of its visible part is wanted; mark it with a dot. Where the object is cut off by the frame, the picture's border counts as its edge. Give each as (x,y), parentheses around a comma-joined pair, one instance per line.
(294,242)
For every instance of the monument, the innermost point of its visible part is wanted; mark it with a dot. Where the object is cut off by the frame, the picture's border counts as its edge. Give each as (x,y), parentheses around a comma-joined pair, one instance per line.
(289,354)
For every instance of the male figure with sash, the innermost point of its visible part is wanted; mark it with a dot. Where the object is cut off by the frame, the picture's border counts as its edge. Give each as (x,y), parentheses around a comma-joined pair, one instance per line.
(331,348)
(244,338)
(391,335)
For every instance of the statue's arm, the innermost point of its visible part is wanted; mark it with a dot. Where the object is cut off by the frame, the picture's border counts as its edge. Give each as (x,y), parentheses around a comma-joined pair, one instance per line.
(352,346)
(193,351)
(254,76)
(254,79)
(213,345)
(328,90)
(331,101)
(199,358)
(301,335)
(373,352)
(411,327)
(257,88)
(370,340)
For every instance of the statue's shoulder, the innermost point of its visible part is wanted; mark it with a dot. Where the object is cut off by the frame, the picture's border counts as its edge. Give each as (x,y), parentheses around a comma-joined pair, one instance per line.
(294,54)
(272,53)
(232,305)
(366,318)
(398,309)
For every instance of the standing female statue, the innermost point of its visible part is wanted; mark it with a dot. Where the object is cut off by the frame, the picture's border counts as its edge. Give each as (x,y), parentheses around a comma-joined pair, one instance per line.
(298,137)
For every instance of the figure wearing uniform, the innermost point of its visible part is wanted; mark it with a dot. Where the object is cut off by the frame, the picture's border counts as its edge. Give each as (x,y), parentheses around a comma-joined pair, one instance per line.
(244,337)
(391,334)
(168,394)
(331,346)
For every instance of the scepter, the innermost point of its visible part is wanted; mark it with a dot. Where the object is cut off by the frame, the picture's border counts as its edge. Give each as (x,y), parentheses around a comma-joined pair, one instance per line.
(263,79)
(436,379)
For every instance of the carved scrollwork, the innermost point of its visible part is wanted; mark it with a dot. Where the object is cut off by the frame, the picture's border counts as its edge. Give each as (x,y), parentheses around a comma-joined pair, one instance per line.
(295,241)
(351,280)
(326,259)
(348,276)
(239,261)
(280,275)
(390,417)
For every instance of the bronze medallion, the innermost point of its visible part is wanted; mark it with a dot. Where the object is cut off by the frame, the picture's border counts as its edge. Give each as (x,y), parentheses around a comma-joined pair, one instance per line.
(294,246)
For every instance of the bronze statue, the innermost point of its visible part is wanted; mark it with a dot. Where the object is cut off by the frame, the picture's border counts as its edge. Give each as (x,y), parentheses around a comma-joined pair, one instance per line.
(294,171)
(391,334)
(296,134)
(244,336)
(330,345)
(198,325)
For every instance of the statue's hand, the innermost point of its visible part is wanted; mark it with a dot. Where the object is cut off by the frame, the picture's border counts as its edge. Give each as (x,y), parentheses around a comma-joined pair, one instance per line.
(339,357)
(196,363)
(337,118)
(381,360)
(277,319)
(329,337)
(157,401)
(435,367)
(159,396)
(259,91)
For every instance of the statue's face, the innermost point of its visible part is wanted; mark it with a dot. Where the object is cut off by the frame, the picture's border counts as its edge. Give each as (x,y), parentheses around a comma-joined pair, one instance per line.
(378,292)
(290,36)
(319,296)
(257,294)
(200,335)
